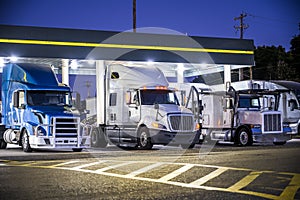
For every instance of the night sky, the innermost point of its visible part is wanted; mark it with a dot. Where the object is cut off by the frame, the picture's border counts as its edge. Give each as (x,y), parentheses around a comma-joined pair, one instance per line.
(271,22)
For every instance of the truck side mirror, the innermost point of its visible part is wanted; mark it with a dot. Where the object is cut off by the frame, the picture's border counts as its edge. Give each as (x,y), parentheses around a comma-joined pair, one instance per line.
(293,104)
(156,106)
(128,97)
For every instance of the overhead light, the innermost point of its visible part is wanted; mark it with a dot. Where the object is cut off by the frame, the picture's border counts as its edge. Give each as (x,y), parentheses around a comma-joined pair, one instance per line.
(74,64)
(13,59)
(2,62)
(91,62)
(181,67)
(150,62)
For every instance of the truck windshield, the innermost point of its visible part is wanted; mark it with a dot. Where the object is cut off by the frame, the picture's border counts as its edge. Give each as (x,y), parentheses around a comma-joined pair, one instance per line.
(151,97)
(46,98)
(248,102)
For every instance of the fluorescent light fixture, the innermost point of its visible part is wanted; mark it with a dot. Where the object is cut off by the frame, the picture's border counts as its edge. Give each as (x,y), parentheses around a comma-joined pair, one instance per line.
(13,58)
(74,64)
(2,62)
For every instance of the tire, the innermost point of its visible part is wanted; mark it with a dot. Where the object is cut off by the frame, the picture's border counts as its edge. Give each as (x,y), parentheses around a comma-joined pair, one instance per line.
(98,138)
(243,137)
(144,140)
(77,150)
(25,142)
(3,144)
(94,138)
(188,146)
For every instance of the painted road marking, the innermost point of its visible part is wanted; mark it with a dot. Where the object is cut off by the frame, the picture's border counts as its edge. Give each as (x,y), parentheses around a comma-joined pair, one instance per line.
(144,169)
(209,176)
(65,163)
(89,164)
(112,167)
(176,172)
(292,188)
(245,181)
(239,187)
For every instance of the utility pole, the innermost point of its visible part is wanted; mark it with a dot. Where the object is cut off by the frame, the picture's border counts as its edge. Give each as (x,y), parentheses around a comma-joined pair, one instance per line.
(242,27)
(134,14)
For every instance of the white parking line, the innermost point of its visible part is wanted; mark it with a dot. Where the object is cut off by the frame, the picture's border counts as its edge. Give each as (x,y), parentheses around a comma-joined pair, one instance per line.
(144,169)
(209,176)
(112,167)
(176,172)
(65,163)
(89,164)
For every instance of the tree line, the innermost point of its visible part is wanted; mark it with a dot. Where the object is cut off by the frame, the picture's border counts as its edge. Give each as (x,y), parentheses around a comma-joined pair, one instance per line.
(274,63)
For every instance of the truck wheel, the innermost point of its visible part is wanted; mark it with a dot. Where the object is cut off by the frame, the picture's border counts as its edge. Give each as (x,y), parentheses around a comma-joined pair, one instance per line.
(25,142)
(3,144)
(98,138)
(243,137)
(94,138)
(144,140)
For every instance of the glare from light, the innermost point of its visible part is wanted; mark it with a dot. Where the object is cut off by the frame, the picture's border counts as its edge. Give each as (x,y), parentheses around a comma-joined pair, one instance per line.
(150,62)
(91,62)
(2,63)
(74,64)
(181,67)
(13,59)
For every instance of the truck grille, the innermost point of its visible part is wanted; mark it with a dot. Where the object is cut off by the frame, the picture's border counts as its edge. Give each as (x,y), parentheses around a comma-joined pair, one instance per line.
(272,122)
(65,127)
(181,122)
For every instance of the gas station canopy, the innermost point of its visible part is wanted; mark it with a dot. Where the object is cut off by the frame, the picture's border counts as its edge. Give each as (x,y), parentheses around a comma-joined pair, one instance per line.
(40,42)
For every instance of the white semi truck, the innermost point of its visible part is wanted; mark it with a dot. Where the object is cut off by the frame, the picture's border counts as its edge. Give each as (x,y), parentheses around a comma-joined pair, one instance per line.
(288,103)
(136,108)
(238,116)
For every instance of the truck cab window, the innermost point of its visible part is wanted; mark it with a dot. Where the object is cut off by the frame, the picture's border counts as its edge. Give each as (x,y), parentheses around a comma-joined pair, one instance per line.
(151,97)
(19,99)
(113,99)
(45,98)
(247,102)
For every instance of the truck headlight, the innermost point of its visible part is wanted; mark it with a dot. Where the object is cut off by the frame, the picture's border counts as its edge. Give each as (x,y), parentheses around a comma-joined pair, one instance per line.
(39,131)
(158,125)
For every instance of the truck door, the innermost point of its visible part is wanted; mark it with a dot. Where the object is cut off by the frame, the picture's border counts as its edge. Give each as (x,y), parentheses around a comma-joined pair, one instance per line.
(133,103)
(18,107)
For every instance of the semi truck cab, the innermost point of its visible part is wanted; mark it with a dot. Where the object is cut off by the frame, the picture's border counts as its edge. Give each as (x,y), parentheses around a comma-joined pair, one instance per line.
(36,110)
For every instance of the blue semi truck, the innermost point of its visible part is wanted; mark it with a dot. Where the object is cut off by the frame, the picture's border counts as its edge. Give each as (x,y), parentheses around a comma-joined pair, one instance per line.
(36,110)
